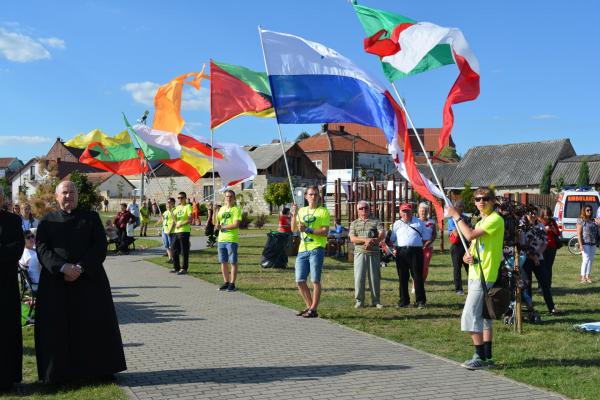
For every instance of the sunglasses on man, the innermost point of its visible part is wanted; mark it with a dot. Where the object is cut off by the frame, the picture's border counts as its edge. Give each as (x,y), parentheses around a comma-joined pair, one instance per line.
(481,198)
(363,208)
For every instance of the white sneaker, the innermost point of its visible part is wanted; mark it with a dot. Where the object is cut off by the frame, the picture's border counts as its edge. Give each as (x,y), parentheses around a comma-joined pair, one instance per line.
(379,306)
(358,304)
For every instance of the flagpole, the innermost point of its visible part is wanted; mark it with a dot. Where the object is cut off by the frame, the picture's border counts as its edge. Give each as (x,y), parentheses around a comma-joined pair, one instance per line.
(287,168)
(212,158)
(437,180)
(143,119)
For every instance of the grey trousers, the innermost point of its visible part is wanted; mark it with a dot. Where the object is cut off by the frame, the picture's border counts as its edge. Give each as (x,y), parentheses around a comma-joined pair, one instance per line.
(367,264)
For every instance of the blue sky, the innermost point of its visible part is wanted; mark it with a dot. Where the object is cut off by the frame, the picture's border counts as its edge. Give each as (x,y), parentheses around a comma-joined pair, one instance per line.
(68,67)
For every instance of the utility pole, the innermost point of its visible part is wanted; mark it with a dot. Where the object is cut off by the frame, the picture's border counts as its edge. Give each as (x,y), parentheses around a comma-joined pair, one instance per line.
(353,154)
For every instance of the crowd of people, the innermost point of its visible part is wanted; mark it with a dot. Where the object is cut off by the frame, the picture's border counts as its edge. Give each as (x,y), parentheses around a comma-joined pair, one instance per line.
(62,254)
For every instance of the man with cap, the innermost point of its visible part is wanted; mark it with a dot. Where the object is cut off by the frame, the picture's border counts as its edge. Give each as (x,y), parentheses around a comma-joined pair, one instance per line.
(457,250)
(407,236)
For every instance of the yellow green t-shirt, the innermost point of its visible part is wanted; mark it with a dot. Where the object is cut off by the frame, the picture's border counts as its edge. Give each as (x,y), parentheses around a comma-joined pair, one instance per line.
(313,218)
(490,248)
(168,221)
(183,213)
(228,216)
(144,215)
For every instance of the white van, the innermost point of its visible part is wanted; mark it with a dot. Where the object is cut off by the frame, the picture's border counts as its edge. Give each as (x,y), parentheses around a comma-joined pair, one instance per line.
(568,208)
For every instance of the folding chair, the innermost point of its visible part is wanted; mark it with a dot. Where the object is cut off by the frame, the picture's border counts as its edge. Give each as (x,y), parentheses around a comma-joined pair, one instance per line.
(28,288)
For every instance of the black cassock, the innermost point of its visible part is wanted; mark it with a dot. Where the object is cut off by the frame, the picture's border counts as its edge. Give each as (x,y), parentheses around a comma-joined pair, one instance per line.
(12,243)
(76,329)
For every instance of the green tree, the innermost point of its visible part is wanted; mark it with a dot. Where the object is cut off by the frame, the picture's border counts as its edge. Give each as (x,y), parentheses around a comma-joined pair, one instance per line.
(583,179)
(449,153)
(89,199)
(278,193)
(560,183)
(5,186)
(546,183)
(303,135)
(466,195)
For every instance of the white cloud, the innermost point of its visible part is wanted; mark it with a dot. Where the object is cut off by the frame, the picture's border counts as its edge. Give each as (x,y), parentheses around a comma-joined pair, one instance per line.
(31,140)
(53,42)
(191,99)
(142,92)
(544,116)
(21,48)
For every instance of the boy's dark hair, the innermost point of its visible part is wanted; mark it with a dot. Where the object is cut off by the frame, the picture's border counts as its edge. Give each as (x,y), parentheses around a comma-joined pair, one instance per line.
(285,211)
(182,194)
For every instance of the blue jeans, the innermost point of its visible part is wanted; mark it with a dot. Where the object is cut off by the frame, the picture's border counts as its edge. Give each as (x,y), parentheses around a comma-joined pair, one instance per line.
(228,252)
(310,261)
(167,240)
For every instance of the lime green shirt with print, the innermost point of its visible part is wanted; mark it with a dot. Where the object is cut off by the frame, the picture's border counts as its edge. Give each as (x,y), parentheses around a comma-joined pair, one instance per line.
(168,221)
(313,218)
(182,214)
(490,248)
(228,216)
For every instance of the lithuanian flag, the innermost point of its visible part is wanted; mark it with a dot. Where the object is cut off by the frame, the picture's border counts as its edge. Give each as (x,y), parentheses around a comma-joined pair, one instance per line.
(114,154)
(235,91)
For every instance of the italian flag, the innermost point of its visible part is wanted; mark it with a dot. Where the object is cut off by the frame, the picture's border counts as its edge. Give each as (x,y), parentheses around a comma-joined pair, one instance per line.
(407,47)
(235,91)
(155,144)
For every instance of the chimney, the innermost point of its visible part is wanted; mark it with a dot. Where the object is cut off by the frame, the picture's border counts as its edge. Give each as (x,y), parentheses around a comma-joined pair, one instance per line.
(325,127)
(342,128)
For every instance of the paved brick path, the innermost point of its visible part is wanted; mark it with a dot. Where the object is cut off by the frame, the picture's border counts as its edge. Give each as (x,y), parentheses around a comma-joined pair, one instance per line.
(186,340)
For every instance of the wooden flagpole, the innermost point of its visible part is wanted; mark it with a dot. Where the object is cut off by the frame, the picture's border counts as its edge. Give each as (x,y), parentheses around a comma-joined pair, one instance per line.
(437,180)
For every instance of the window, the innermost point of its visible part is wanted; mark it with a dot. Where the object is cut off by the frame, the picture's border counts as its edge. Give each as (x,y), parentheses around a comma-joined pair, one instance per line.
(247,185)
(32,172)
(318,164)
(208,192)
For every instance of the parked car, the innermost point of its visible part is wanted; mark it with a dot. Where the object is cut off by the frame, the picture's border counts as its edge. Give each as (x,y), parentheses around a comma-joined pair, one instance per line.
(568,208)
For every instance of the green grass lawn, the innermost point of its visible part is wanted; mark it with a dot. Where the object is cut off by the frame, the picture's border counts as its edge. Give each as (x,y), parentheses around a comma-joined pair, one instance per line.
(550,354)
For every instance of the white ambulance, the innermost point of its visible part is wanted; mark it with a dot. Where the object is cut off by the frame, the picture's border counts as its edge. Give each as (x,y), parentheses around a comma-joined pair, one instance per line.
(568,208)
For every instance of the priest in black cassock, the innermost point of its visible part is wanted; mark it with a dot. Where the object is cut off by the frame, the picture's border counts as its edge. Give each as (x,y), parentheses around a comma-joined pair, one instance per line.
(12,243)
(76,329)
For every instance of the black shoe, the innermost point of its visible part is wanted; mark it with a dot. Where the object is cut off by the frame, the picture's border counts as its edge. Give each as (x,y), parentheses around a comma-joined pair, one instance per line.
(170,261)
(182,272)
(174,271)
(420,305)
(224,287)
(400,305)
(231,287)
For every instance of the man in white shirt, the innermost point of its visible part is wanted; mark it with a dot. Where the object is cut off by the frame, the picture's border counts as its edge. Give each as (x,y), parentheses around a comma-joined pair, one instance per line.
(134,209)
(407,236)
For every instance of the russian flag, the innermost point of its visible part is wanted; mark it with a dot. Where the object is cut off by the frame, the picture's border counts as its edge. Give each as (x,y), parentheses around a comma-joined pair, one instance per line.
(312,83)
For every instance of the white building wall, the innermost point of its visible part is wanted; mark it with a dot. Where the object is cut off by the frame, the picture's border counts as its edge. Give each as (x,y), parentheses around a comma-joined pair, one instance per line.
(27,180)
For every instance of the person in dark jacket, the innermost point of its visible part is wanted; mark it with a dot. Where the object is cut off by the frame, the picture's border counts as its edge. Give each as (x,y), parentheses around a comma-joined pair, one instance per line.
(76,331)
(12,243)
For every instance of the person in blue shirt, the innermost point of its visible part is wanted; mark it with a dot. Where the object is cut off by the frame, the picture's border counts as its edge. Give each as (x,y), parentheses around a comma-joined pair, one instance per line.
(407,236)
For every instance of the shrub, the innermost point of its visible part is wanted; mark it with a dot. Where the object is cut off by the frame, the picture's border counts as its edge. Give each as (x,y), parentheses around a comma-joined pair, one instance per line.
(203,209)
(260,220)
(246,220)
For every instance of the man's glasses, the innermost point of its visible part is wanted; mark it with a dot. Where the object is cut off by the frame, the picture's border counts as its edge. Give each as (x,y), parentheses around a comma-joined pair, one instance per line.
(363,208)
(180,197)
(29,237)
(311,194)
(479,199)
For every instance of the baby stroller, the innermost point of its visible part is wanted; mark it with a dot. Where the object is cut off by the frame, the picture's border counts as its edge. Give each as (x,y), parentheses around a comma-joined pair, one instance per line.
(387,251)
(274,254)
